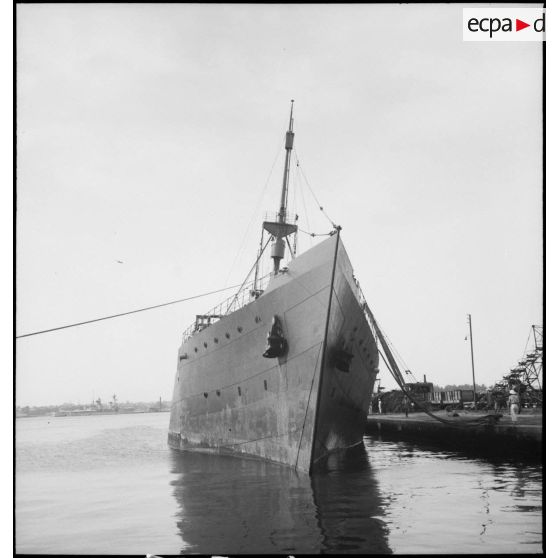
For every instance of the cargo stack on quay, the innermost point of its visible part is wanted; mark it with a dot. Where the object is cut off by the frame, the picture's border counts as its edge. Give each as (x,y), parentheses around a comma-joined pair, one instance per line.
(504,420)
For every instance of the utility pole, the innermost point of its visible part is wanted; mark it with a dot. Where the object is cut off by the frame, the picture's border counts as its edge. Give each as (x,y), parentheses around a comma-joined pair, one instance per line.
(472,360)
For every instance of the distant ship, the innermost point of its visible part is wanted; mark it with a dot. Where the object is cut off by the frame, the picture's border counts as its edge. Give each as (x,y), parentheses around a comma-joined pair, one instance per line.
(284,370)
(97,408)
(113,408)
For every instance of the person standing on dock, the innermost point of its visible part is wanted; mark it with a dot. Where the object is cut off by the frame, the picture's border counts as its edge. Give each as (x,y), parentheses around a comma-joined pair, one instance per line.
(514,405)
(406,405)
(380,405)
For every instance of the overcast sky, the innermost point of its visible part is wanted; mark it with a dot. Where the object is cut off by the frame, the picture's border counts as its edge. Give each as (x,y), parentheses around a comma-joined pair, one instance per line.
(147,133)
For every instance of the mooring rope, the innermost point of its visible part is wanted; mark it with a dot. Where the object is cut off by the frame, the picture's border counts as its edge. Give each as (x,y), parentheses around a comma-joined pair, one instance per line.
(126,313)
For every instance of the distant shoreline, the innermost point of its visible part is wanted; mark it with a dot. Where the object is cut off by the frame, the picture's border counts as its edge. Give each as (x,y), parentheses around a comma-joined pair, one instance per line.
(92,414)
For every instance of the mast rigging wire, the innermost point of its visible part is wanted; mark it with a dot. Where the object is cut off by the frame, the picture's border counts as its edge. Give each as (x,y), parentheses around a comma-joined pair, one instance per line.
(126,313)
(298,187)
(249,225)
(312,191)
(314,234)
(248,276)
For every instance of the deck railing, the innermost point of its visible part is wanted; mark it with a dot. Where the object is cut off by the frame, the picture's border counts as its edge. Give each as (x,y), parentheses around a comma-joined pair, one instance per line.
(364,305)
(273,217)
(241,298)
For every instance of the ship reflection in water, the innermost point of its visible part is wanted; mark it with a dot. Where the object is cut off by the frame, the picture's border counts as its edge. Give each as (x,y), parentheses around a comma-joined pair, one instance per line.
(109,485)
(238,505)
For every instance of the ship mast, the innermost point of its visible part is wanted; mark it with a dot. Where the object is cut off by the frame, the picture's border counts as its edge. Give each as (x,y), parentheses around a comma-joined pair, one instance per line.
(289,141)
(281,228)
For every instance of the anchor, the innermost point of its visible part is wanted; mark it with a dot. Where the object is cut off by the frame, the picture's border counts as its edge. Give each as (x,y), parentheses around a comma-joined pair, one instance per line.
(276,342)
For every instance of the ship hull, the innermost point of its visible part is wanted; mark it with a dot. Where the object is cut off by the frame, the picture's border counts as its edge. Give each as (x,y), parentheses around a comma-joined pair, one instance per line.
(294,409)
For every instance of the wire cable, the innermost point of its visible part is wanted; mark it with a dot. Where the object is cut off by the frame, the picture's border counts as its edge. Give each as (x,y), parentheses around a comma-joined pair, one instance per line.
(254,214)
(235,298)
(315,234)
(299,185)
(312,191)
(126,313)
(397,355)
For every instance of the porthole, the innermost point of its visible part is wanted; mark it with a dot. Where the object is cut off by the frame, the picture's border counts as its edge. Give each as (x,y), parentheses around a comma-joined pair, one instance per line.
(265,385)
(228,335)
(215,340)
(218,393)
(195,349)
(205,344)
(239,391)
(257,319)
(205,394)
(239,329)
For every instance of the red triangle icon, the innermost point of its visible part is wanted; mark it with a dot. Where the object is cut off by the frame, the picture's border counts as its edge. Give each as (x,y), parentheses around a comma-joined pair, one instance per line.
(519,25)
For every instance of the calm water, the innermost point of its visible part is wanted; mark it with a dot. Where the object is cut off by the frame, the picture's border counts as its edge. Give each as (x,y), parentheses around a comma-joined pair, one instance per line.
(109,484)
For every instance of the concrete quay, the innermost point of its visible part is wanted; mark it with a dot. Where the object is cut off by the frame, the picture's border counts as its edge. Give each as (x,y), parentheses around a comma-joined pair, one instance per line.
(502,437)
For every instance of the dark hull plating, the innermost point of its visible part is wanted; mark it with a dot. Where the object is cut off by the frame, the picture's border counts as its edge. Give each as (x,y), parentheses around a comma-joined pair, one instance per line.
(293,409)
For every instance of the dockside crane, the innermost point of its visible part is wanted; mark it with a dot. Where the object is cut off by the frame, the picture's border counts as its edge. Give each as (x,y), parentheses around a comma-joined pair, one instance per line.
(387,353)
